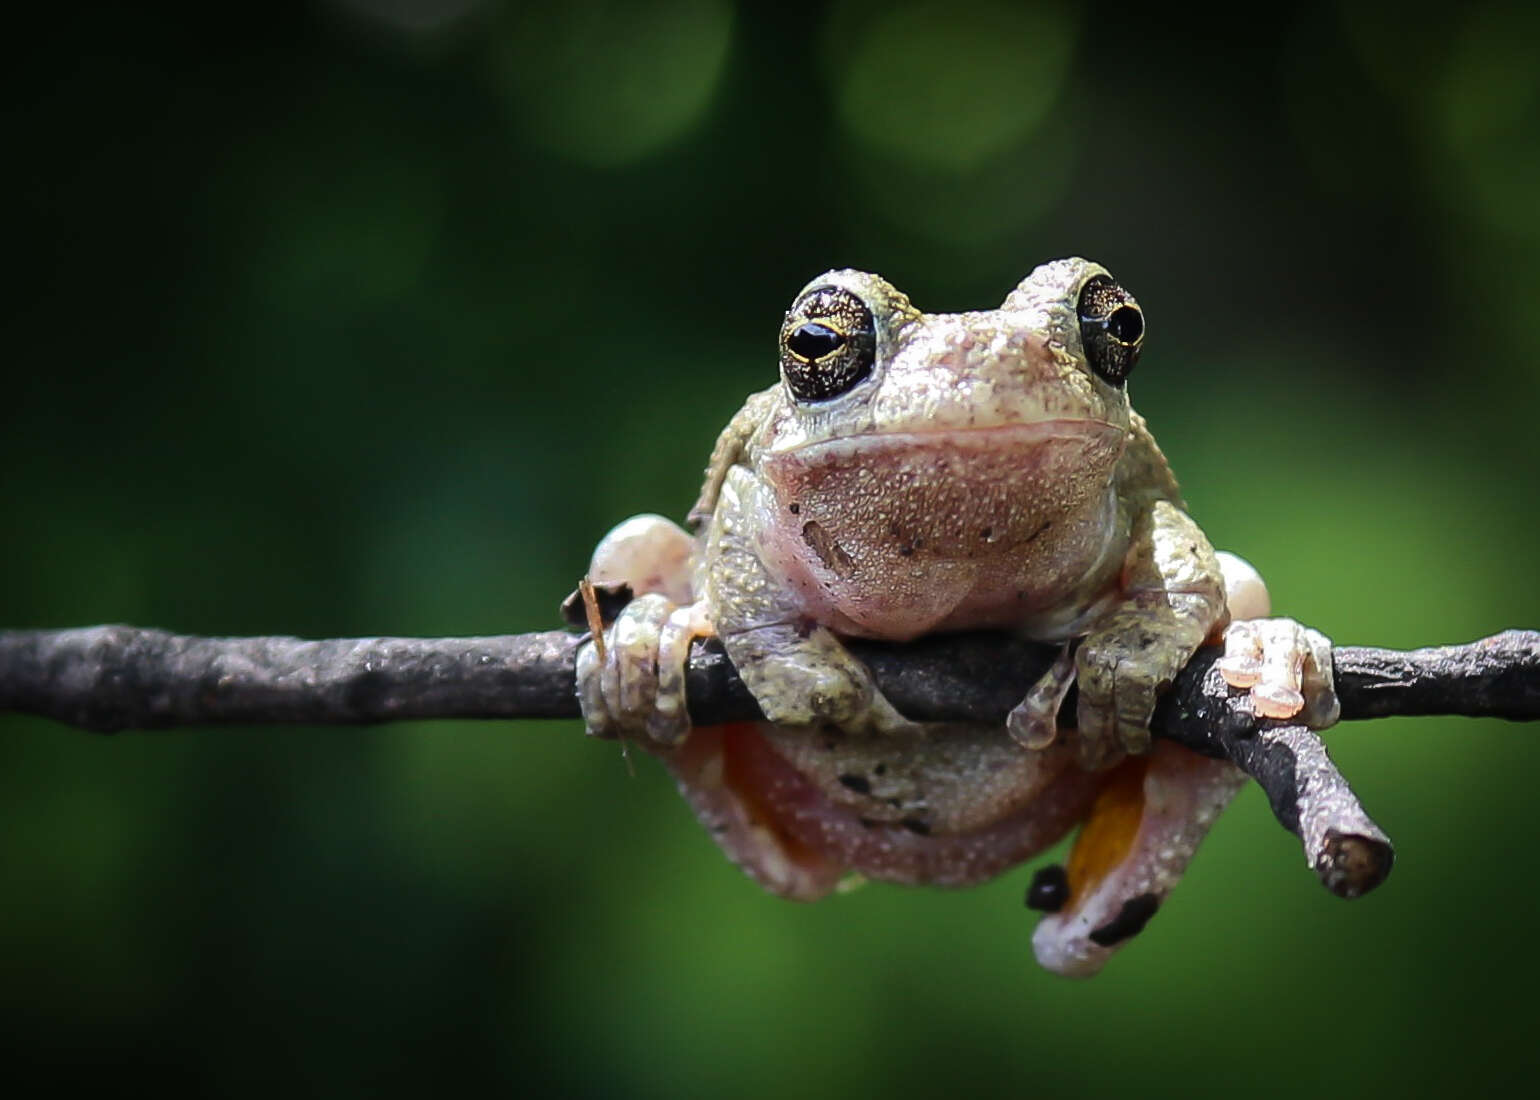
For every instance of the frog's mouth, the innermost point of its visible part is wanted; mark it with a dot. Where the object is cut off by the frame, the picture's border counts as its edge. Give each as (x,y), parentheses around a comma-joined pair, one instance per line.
(1015,438)
(777,824)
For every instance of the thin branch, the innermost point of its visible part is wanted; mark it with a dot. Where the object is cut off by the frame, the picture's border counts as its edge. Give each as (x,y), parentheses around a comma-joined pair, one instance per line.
(110,678)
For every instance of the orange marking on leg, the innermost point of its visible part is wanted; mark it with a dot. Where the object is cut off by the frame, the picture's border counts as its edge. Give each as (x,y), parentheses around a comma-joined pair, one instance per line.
(1107,835)
(747,763)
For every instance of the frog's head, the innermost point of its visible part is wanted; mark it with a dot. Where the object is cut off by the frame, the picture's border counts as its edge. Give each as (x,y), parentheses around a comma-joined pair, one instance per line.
(858,360)
(927,468)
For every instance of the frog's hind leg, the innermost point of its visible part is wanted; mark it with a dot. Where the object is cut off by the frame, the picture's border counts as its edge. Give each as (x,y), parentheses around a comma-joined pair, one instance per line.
(1148,819)
(739,789)
(1153,811)
(631,683)
(648,553)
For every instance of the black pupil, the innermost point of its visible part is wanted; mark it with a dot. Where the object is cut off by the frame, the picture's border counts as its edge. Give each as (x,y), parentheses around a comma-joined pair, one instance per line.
(814,341)
(1125,324)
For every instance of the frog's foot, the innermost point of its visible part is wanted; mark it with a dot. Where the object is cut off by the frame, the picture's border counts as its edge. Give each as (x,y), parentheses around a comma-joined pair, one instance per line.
(806,677)
(1147,821)
(1287,668)
(1121,669)
(631,680)
(1034,722)
(631,683)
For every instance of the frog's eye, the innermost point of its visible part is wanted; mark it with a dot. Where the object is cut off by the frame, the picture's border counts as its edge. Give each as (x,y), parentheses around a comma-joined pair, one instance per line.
(1111,328)
(828,344)
(810,340)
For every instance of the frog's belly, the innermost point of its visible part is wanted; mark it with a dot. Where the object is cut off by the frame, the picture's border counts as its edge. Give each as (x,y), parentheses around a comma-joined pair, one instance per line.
(797,815)
(900,536)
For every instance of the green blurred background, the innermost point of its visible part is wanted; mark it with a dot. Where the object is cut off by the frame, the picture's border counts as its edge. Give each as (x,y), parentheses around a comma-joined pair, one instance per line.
(371,316)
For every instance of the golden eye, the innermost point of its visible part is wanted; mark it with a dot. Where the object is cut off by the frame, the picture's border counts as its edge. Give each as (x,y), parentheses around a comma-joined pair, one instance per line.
(828,344)
(814,341)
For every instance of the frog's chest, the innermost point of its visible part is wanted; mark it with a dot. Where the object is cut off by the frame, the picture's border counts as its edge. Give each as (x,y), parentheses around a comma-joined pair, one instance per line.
(933,539)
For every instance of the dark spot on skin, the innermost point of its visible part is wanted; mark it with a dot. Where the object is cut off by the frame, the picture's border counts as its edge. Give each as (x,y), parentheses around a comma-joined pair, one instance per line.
(987,533)
(915,825)
(905,551)
(1130,921)
(895,803)
(858,783)
(831,553)
(795,508)
(1049,890)
(867,823)
(880,769)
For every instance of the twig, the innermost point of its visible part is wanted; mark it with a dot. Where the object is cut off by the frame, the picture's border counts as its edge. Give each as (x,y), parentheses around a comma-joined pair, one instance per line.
(110,678)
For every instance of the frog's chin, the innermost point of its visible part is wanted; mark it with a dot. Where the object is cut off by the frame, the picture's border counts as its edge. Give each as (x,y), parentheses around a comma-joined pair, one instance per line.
(777,825)
(896,534)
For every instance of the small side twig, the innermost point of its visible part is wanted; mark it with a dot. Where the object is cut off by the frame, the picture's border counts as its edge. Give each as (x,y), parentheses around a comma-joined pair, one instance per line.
(110,678)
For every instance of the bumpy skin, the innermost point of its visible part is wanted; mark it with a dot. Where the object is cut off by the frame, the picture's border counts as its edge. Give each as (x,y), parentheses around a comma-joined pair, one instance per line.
(977,472)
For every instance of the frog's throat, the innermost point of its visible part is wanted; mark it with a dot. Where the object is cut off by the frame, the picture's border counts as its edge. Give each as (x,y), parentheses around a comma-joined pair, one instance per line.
(901,534)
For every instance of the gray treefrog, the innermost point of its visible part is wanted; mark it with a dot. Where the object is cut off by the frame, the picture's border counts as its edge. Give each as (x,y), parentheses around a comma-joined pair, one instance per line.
(915,473)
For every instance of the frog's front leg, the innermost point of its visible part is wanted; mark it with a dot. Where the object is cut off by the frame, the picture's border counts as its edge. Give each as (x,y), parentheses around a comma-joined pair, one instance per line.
(631,682)
(1172,599)
(800,673)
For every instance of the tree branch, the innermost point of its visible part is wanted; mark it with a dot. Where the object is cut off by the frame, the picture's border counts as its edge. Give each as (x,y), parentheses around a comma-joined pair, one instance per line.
(109,678)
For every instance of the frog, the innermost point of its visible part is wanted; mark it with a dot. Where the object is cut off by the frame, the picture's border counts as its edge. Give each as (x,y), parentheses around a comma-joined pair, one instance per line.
(912,474)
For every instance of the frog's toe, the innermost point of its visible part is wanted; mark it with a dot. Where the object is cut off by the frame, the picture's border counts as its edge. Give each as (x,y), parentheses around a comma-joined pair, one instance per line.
(1034,722)
(1144,827)
(1285,666)
(1241,665)
(633,685)
(1032,727)
(669,722)
(883,717)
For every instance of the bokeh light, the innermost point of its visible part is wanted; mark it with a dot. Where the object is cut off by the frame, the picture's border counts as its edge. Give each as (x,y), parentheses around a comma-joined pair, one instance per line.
(609,82)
